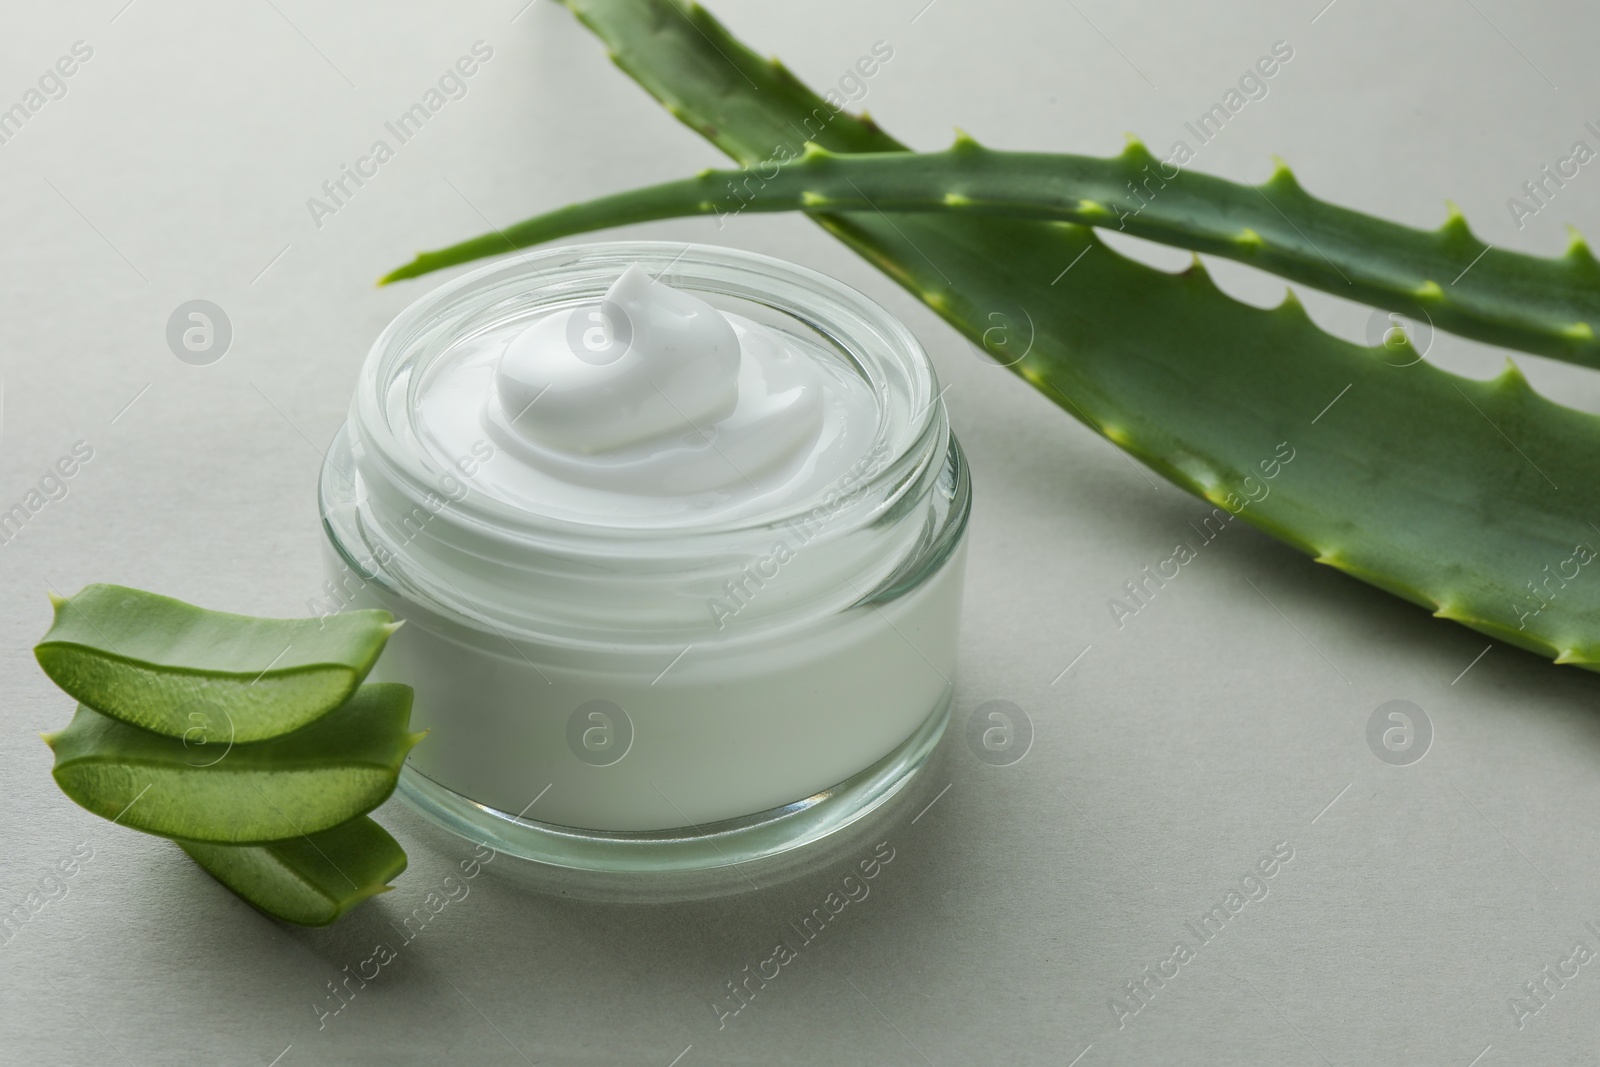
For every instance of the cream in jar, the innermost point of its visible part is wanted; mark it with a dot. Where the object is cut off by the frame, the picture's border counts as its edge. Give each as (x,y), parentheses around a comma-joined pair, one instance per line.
(650,408)
(680,555)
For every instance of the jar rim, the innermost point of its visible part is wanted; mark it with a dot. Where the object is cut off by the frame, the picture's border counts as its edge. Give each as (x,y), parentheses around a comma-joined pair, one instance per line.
(881,347)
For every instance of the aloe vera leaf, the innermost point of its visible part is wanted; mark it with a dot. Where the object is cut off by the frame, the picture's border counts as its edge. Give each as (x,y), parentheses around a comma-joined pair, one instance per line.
(177,669)
(1449,276)
(310,881)
(1437,488)
(343,765)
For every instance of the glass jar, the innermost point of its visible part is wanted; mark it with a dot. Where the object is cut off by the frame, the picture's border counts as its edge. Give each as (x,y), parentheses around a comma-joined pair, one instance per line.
(615,699)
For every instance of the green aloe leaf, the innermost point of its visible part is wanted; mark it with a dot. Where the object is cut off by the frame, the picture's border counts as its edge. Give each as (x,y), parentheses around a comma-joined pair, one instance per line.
(1448,276)
(1469,498)
(312,880)
(180,670)
(341,766)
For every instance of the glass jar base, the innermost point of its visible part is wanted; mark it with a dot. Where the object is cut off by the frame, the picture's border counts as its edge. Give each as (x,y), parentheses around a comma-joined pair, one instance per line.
(714,859)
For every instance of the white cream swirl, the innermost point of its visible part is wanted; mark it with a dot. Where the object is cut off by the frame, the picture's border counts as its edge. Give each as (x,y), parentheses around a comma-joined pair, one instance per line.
(648,404)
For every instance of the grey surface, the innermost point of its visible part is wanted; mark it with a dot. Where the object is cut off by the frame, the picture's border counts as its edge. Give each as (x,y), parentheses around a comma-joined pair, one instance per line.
(1221,720)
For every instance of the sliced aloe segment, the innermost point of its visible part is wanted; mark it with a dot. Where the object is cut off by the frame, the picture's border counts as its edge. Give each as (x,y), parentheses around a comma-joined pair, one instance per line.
(341,766)
(175,668)
(310,881)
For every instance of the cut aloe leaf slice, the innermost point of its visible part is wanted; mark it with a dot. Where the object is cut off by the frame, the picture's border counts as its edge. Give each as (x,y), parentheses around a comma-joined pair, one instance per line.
(174,668)
(341,766)
(309,881)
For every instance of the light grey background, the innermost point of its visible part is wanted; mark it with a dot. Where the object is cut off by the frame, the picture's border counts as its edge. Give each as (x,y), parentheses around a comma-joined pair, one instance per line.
(1221,720)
